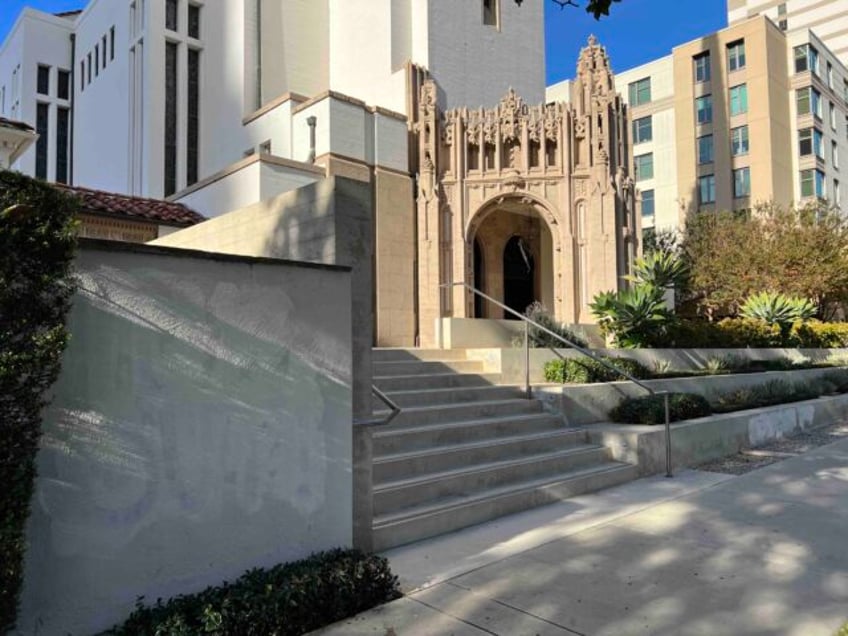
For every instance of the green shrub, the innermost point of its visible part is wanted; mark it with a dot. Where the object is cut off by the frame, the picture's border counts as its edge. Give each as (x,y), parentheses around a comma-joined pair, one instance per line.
(37,241)
(820,335)
(835,382)
(768,394)
(538,338)
(739,333)
(778,309)
(650,409)
(288,599)
(588,371)
(635,317)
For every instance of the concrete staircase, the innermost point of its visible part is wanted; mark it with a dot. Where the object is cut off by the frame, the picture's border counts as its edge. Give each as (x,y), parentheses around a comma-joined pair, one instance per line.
(467,450)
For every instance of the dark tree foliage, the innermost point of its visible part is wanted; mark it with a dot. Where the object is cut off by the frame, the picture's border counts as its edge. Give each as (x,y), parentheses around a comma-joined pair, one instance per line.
(596,7)
(37,242)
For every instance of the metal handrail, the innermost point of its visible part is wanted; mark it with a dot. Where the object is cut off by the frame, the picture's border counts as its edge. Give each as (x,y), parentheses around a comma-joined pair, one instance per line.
(578,348)
(380,421)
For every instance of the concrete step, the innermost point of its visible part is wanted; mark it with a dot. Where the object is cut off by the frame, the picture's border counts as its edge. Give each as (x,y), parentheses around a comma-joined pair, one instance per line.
(411,355)
(433,397)
(395,439)
(441,458)
(442,413)
(417,367)
(398,495)
(453,513)
(435,381)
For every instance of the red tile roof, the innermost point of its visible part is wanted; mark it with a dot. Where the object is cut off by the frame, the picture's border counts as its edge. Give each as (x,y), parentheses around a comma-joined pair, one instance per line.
(17,125)
(122,205)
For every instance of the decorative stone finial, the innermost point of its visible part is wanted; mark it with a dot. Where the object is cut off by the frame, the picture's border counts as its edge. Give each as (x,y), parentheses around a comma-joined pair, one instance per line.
(593,40)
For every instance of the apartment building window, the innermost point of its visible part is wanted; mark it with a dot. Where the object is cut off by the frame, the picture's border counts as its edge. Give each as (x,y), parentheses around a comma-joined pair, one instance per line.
(193,123)
(739,141)
(82,75)
(96,60)
(42,115)
(43,84)
(810,142)
(704,109)
(705,149)
(832,113)
(706,189)
(736,55)
(738,100)
(812,183)
(644,165)
(829,75)
(837,193)
(643,130)
(103,50)
(63,85)
(806,59)
(112,44)
(701,64)
(194,21)
(647,203)
(490,12)
(834,154)
(781,15)
(741,183)
(88,68)
(808,101)
(639,92)
(170,118)
(63,125)
(171,15)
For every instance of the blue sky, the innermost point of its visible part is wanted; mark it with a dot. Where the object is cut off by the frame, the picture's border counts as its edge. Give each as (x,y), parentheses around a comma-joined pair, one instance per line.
(635,32)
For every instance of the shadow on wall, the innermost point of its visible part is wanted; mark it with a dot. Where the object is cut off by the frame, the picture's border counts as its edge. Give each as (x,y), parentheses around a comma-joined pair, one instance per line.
(200,427)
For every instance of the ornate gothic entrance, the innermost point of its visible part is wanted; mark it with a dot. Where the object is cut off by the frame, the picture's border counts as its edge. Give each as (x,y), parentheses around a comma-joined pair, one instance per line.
(519,276)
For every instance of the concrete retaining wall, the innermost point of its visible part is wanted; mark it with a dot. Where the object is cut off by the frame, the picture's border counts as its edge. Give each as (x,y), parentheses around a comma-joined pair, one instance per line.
(703,439)
(201,426)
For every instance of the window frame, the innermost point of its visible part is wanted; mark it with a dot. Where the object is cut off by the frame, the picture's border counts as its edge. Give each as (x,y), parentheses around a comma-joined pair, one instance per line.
(639,130)
(636,90)
(652,199)
(701,65)
(709,179)
(707,99)
(638,161)
(746,182)
(43,73)
(743,137)
(711,144)
(736,56)
(739,95)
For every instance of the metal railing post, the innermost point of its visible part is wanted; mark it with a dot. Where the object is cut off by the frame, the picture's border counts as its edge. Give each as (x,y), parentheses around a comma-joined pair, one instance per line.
(667,438)
(527,389)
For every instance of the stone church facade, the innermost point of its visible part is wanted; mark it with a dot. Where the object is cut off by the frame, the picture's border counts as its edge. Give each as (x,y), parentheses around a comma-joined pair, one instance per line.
(525,202)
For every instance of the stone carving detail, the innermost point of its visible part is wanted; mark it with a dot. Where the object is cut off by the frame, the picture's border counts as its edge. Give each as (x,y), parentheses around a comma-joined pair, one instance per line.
(513,113)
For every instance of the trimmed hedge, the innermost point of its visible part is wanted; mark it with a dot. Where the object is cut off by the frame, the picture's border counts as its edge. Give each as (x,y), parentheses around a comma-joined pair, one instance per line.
(650,409)
(588,371)
(768,394)
(737,333)
(37,242)
(285,600)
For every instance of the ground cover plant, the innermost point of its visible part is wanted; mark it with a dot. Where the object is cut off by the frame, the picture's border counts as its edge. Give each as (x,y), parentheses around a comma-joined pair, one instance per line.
(285,600)
(37,242)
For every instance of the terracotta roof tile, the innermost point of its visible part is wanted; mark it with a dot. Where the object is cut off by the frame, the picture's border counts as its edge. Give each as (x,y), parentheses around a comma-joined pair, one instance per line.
(17,125)
(113,204)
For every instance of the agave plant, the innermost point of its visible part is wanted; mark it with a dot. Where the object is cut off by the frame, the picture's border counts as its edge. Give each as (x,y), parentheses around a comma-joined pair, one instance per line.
(636,317)
(778,309)
(661,269)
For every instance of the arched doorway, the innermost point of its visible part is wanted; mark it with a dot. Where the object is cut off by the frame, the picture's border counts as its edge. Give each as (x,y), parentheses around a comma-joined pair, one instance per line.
(519,276)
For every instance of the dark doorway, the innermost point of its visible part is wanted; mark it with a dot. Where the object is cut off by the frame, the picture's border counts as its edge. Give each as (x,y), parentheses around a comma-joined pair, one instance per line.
(478,279)
(518,276)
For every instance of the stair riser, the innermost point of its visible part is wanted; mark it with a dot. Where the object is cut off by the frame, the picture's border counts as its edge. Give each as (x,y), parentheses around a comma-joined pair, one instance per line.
(453,396)
(388,501)
(420,382)
(448,460)
(415,529)
(419,368)
(405,442)
(463,412)
(409,355)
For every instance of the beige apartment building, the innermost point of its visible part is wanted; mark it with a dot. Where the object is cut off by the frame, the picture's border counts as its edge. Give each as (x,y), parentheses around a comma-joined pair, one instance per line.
(748,114)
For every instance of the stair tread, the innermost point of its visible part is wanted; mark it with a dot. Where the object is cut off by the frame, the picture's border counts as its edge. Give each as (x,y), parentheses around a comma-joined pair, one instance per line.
(436,407)
(458,501)
(488,466)
(494,441)
(452,388)
(493,419)
(446,374)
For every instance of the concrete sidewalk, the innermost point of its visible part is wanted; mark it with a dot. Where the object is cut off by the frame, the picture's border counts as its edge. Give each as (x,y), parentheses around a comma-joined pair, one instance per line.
(764,553)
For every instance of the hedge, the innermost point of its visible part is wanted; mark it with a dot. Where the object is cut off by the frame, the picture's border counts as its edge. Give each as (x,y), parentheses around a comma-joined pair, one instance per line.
(650,409)
(735,333)
(588,371)
(289,599)
(37,242)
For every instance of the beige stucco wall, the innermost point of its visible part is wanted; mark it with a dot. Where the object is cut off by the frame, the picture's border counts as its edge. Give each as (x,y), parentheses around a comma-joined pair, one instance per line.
(201,426)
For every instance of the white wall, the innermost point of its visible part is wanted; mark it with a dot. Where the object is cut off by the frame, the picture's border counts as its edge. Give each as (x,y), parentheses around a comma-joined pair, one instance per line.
(201,426)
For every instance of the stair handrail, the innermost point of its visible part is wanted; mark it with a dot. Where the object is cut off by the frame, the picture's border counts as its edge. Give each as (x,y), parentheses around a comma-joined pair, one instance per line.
(528,389)
(381,421)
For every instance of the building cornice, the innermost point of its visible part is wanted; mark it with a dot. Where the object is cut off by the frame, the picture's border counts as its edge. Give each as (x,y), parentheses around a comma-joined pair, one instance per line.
(274,103)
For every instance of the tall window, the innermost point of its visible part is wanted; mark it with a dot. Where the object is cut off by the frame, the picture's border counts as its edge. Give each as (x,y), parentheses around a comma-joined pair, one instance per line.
(704,109)
(194,21)
(705,149)
(170,118)
(171,14)
(639,92)
(806,59)
(701,64)
(738,100)
(739,141)
(644,166)
(706,189)
(736,55)
(43,86)
(193,122)
(834,154)
(96,60)
(832,113)
(837,194)
(112,43)
(808,101)
(63,85)
(742,183)
(643,130)
(810,142)
(42,127)
(82,75)
(490,12)
(647,203)
(812,183)
(63,123)
(829,75)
